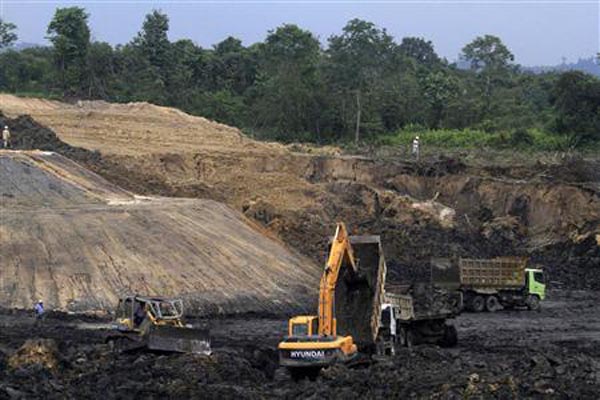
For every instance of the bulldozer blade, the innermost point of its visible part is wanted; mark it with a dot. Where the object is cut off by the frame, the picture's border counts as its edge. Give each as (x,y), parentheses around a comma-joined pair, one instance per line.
(181,340)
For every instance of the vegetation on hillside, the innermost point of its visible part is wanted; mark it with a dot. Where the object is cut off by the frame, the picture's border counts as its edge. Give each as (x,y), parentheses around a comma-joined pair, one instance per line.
(362,86)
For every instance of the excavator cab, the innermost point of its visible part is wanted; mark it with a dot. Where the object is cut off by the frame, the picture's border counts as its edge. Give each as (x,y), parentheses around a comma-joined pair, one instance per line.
(303,325)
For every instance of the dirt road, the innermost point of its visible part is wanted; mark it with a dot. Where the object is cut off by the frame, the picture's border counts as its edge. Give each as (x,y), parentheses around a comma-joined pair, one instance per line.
(551,354)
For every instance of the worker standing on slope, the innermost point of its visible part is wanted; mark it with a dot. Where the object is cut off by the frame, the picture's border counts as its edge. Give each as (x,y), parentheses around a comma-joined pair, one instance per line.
(6,137)
(416,147)
(39,310)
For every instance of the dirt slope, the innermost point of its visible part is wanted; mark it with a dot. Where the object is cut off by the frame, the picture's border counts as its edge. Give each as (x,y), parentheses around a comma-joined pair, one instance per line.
(73,239)
(439,207)
(133,128)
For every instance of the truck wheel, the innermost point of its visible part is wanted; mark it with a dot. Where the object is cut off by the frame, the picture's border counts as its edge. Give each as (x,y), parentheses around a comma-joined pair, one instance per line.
(402,337)
(533,302)
(478,303)
(411,338)
(450,336)
(492,304)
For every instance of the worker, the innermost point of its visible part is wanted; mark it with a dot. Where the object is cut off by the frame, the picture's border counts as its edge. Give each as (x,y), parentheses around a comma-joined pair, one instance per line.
(416,147)
(139,315)
(39,310)
(6,137)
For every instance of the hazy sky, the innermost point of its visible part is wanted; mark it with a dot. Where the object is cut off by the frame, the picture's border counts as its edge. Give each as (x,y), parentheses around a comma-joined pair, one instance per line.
(537,31)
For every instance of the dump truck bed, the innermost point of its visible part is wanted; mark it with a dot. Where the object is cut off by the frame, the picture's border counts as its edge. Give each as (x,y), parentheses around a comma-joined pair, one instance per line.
(423,301)
(496,273)
(358,301)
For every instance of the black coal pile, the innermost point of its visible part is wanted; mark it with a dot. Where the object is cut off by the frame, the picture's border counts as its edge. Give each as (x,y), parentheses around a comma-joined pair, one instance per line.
(552,354)
(26,134)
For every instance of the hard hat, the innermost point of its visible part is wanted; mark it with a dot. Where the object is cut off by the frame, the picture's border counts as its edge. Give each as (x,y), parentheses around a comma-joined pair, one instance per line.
(417,138)
(5,126)
(40,301)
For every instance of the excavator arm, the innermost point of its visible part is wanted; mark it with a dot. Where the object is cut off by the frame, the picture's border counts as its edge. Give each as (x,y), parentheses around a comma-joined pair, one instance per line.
(340,254)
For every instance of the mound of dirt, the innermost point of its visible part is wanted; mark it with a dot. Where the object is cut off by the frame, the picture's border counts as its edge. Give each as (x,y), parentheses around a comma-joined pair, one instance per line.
(438,207)
(40,352)
(79,242)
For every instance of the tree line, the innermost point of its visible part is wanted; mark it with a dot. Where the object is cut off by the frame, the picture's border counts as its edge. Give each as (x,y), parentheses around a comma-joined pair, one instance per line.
(361,86)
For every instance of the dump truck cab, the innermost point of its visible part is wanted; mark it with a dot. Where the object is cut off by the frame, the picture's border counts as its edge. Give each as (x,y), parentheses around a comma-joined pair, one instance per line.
(536,282)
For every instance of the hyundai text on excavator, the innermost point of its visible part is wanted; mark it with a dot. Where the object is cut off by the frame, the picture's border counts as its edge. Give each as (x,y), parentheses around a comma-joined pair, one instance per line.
(350,298)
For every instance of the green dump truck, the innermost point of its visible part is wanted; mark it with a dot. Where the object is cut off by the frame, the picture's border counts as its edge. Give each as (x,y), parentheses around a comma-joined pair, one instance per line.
(489,285)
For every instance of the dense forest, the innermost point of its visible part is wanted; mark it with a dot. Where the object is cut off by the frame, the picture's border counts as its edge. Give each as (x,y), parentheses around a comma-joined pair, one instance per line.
(363,85)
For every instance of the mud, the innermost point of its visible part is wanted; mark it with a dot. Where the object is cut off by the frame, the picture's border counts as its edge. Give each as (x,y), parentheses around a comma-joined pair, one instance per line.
(551,354)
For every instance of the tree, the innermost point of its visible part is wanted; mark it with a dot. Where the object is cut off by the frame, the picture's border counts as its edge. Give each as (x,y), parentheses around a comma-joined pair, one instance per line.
(7,36)
(100,67)
(576,101)
(151,59)
(287,81)
(440,88)
(356,61)
(491,59)
(153,39)
(419,49)
(69,33)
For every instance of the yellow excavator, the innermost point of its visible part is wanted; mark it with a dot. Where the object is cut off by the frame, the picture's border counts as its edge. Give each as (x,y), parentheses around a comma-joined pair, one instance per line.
(313,341)
(155,323)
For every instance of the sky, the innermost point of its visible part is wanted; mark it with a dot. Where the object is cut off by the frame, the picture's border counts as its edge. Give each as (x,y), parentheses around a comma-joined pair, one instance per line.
(538,32)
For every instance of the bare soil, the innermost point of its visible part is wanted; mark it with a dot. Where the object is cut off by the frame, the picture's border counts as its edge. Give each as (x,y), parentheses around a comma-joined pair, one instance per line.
(517,354)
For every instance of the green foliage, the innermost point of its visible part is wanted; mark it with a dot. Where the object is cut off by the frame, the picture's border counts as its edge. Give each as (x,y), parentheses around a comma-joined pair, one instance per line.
(7,34)
(70,36)
(362,87)
(420,50)
(576,100)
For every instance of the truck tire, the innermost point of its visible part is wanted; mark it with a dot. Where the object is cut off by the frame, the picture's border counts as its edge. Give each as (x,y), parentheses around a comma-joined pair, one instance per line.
(450,338)
(477,303)
(411,338)
(492,304)
(533,302)
(402,337)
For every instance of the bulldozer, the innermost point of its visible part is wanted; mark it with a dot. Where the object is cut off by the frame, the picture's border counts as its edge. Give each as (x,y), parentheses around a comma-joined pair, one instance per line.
(155,323)
(348,306)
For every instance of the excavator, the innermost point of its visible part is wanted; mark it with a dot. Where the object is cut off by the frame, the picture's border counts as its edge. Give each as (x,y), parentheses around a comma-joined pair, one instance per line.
(155,323)
(313,341)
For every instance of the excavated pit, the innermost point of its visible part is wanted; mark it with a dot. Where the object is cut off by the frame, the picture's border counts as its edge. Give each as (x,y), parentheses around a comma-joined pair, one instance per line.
(436,208)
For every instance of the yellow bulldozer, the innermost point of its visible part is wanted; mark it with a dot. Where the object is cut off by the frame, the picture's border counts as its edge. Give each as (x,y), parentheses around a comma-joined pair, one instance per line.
(155,323)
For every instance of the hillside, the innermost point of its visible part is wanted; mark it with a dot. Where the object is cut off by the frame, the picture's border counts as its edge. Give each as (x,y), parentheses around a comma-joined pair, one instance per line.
(440,206)
(78,242)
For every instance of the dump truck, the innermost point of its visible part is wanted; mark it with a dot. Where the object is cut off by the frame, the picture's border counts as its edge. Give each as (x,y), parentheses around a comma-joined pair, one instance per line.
(417,313)
(155,323)
(490,284)
(350,298)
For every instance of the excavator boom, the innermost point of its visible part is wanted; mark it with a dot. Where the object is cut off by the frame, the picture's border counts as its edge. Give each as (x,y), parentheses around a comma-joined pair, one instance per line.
(312,341)
(340,254)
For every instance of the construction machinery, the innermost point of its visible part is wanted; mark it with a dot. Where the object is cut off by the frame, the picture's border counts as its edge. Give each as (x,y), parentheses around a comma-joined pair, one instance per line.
(495,283)
(350,298)
(417,313)
(155,323)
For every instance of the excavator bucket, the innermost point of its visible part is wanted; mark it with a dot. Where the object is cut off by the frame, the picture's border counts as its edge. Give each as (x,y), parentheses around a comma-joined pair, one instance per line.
(181,340)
